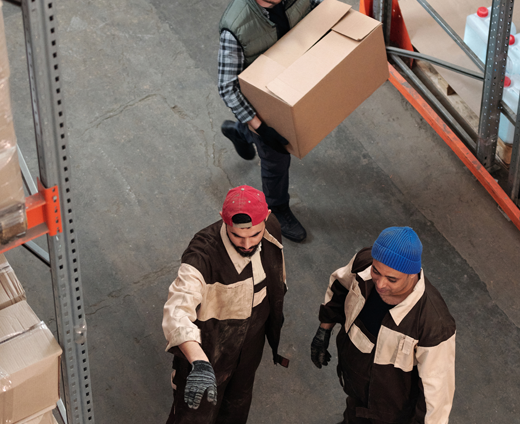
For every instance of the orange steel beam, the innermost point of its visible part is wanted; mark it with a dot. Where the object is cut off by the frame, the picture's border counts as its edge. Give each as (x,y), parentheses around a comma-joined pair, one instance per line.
(460,149)
(43,216)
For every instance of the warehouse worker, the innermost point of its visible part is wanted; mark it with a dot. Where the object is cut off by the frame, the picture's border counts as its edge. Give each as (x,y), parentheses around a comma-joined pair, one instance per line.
(247,29)
(396,346)
(227,297)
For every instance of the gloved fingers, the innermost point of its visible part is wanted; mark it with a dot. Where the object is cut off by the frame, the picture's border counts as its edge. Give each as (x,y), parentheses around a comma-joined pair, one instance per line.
(278,147)
(326,358)
(316,362)
(281,139)
(316,357)
(192,397)
(212,395)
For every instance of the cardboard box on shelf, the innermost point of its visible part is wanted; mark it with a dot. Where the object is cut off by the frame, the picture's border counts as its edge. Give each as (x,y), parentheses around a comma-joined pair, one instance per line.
(29,364)
(11,291)
(13,220)
(46,418)
(317,74)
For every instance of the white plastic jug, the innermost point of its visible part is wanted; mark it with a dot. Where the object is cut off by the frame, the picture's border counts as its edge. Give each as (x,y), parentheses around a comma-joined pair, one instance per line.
(476,32)
(506,130)
(513,56)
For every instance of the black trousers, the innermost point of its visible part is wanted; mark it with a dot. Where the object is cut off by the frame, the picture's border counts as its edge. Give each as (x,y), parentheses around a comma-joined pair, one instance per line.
(274,168)
(234,394)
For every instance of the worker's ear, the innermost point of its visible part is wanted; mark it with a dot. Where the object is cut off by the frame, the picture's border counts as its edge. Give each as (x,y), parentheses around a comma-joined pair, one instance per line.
(220,213)
(268,213)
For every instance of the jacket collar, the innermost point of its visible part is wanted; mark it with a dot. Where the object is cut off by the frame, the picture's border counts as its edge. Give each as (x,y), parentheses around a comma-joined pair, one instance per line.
(402,309)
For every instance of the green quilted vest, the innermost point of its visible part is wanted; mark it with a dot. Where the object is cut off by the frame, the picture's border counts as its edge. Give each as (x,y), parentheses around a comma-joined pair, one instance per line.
(255,33)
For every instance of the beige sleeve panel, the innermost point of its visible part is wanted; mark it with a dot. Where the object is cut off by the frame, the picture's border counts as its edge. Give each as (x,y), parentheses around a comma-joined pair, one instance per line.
(344,276)
(436,366)
(180,310)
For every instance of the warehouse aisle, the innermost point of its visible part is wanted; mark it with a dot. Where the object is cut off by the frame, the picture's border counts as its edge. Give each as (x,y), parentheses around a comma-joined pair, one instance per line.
(150,168)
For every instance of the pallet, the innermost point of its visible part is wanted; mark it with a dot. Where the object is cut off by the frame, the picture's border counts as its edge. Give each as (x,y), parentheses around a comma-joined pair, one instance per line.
(461,112)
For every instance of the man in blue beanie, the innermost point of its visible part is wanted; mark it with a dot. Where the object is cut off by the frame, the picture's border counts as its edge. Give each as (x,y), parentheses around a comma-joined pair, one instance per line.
(396,346)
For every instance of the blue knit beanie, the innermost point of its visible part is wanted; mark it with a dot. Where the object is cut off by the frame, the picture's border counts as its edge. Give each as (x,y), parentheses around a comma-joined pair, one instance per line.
(400,249)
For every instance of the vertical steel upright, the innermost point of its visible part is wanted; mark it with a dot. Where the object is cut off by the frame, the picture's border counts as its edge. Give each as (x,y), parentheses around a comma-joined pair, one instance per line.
(514,166)
(382,11)
(494,74)
(39,17)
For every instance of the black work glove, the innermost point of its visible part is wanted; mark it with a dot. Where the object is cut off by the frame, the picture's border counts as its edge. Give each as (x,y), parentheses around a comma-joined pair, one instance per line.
(200,379)
(319,353)
(271,137)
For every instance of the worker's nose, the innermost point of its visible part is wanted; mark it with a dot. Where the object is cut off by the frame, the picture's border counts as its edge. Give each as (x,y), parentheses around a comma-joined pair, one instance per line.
(380,283)
(247,244)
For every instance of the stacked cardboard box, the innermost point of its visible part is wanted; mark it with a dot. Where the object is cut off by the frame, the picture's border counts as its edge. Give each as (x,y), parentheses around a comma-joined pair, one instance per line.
(29,357)
(317,74)
(13,221)
(11,291)
(46,418)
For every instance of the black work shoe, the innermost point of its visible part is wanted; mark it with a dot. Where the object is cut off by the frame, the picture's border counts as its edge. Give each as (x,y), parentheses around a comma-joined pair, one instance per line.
(244,149)
(291,227)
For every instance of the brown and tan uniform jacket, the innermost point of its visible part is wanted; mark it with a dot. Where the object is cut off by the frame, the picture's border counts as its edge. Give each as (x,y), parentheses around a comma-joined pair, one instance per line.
(407,372)
(220,297)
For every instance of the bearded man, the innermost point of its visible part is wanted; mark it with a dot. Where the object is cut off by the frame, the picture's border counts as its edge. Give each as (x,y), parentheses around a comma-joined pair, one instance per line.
(227,297)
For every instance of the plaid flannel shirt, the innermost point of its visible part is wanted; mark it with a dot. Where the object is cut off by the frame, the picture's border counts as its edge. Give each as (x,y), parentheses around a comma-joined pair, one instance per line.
(230,65)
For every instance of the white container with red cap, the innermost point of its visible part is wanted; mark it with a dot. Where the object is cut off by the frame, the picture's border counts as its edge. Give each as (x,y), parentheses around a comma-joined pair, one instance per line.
(510,96)
(476,33)
(513,55)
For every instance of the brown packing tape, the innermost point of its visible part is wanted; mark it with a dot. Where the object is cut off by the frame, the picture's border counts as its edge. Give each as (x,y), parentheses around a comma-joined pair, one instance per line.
(13,223)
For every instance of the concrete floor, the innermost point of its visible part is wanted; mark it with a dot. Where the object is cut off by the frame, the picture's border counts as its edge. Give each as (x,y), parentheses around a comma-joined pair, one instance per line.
(150,168)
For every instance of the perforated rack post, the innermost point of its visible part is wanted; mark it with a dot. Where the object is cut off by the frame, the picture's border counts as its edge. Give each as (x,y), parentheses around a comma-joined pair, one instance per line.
(495,72)
(39,17)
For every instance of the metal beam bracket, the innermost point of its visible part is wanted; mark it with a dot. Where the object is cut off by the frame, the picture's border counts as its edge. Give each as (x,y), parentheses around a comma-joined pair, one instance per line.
(43,216)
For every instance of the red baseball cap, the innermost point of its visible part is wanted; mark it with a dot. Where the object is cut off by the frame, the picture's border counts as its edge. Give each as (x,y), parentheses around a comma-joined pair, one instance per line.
(246,200)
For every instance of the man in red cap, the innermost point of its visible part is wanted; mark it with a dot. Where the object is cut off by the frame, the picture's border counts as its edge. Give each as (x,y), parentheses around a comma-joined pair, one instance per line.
(227,297)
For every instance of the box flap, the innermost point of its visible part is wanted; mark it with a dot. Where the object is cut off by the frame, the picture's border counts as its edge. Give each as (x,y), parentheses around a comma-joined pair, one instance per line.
(262,73)
(16,319)
(308,31)
(305,73)
(11,291)
(356,25)
(24,339)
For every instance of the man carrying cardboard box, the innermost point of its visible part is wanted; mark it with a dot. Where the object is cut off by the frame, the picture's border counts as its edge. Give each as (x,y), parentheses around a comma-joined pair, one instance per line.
(227,298)
(247,29)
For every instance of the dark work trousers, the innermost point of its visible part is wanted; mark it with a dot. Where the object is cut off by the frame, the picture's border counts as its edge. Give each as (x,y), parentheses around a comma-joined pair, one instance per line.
(274,168)
(354,371)
(233,395)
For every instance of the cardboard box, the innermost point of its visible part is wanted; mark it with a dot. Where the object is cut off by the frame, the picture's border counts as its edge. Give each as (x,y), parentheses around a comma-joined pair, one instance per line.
(11,291)
(317,74)
(29,364)
(13,221)
(46,418)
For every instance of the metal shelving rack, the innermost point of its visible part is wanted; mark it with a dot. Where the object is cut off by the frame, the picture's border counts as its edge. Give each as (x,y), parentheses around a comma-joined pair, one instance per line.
(484,144)
(39,18)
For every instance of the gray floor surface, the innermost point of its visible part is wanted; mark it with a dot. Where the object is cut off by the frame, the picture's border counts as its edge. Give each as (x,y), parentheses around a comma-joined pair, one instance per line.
(150,168)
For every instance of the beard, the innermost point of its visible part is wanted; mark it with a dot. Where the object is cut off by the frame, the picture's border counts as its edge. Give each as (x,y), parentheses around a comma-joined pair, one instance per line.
(243,253)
